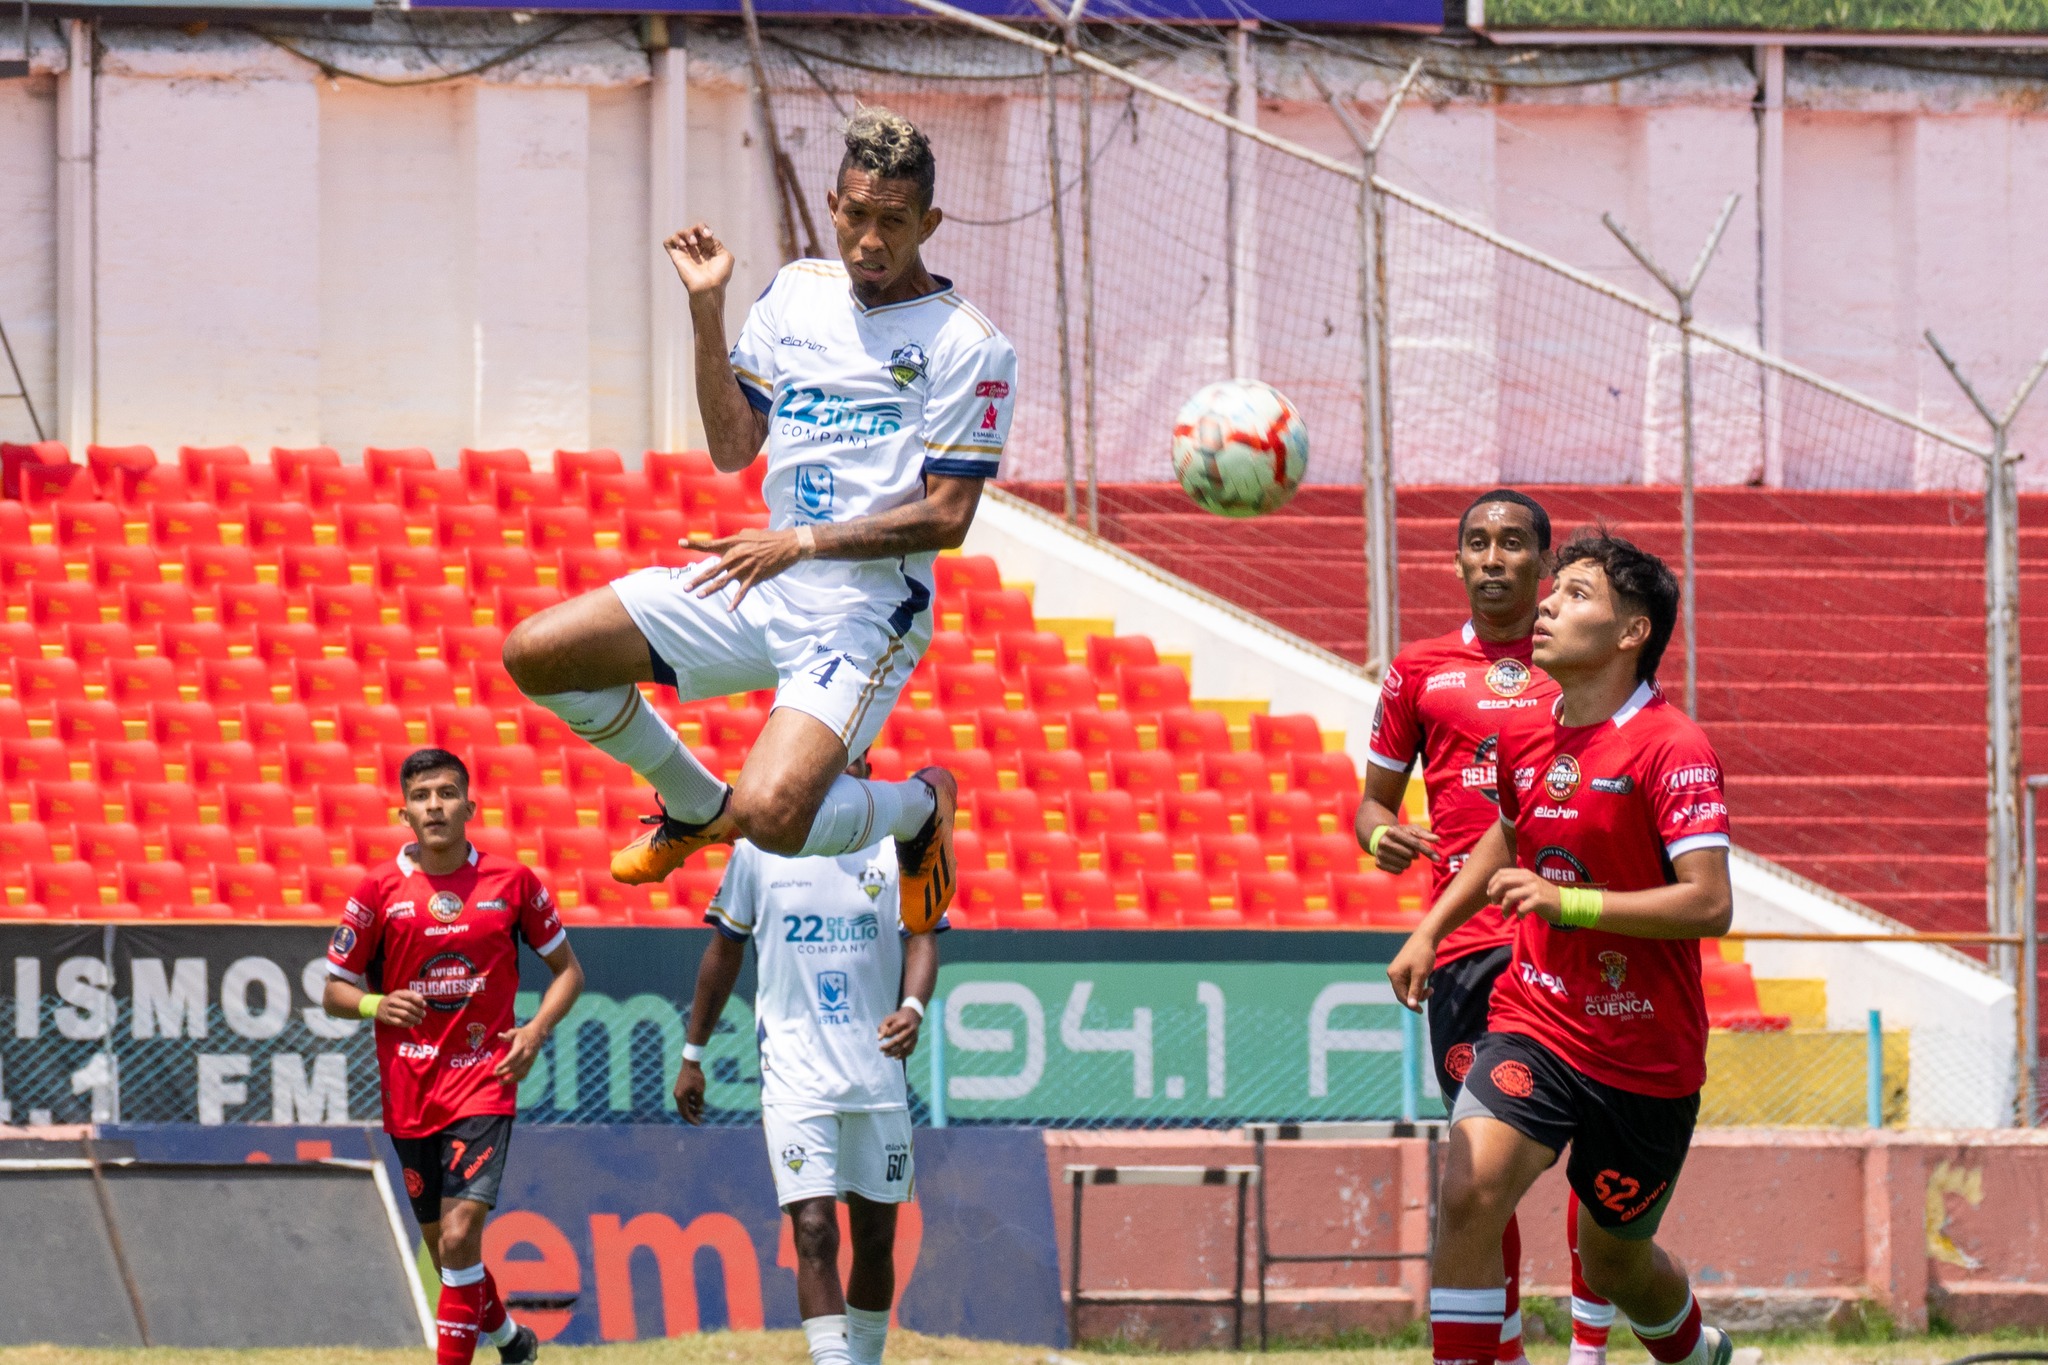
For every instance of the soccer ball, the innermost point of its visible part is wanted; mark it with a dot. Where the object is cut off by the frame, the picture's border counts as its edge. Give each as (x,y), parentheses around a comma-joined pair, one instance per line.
(1239,448)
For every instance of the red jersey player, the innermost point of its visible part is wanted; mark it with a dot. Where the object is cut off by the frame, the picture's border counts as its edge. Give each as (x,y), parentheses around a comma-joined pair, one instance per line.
(1443,703)
(1612,855)
(429,948)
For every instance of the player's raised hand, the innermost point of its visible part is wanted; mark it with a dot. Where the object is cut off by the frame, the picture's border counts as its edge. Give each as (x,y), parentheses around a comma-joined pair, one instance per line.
(898,1034)
(402,1009)
(753,556)
(1401,845)
(701,260)
(690,1092)
(1518,891)
(1410,969)
(519,1057)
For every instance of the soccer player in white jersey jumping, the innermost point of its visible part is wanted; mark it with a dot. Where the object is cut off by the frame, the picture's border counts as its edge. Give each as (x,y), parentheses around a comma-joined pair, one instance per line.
(884,399)
(832,959)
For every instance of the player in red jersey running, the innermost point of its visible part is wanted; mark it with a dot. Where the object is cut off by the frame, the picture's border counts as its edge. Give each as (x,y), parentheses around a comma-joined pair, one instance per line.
(1611,853)
(1443,702)
(429,948)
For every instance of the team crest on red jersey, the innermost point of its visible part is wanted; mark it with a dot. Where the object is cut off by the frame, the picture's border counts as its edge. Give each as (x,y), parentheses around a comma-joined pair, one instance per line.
(477,1034)
(1613,969)
(445,906)
(1563,778)
(1508,677)
(1458,1062)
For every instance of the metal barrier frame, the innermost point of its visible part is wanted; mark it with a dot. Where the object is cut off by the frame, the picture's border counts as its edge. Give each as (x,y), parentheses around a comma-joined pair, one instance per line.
(1080,1177)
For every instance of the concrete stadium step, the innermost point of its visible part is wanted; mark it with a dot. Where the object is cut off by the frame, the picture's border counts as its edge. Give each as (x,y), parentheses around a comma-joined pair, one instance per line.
(1821,834)
(1779,506)
(1898,751)
(1958,911)
(1841,796)
(1822,542)
(1856,875)
(1870,696)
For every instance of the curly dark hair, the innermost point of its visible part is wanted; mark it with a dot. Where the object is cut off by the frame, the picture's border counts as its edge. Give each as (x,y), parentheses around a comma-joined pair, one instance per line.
(1640,581)
(889,146)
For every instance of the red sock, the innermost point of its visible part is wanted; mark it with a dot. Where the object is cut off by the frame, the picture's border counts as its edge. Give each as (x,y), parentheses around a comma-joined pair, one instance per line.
(1464,1325)
(1511,1261)
(492,1316)
(1673,1346)
(455,1323)
(1592,1316)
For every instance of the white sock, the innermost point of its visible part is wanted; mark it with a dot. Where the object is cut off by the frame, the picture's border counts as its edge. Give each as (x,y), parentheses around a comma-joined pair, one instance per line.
(618,721)
(856,813)
(827,1336)
(867,1331)
(506,1331)
(1591,1313)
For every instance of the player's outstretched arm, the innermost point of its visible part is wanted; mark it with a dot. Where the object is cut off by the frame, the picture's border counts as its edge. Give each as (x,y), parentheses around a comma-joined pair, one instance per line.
(555,1003)
(717,971)
(1699,904)
(1401,844)
(1465,897)
(899,1032)
(733,428)
(938,521)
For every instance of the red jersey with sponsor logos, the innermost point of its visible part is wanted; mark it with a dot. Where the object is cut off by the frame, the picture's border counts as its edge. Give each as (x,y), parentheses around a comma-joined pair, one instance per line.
(454,940)
(1610,806)
(1443,701)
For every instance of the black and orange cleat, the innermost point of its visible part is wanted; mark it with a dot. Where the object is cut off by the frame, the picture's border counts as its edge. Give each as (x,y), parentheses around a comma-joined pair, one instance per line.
(668,844)
(523,1349)
(926,874)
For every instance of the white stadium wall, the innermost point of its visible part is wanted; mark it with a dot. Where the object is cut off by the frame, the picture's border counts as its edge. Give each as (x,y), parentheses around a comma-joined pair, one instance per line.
(279,257)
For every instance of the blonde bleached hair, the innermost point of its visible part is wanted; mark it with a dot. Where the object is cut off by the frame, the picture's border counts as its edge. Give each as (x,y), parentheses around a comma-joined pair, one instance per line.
(889,146)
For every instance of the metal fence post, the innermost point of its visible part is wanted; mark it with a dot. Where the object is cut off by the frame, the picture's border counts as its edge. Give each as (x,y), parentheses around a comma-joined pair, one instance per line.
(1873,1069)
(1059,273)
(2029,999)
(1682,294)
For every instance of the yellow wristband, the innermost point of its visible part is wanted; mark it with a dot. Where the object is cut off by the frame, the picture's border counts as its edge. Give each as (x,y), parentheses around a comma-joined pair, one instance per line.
(1578,907)
(367,1006)
(1372,841)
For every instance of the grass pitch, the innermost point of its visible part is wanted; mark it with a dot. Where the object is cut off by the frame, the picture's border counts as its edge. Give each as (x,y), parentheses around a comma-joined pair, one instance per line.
(909,1348)
(1864,16)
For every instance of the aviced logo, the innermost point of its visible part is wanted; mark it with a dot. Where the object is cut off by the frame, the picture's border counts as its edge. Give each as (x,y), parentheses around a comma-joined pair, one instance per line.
(835,1005)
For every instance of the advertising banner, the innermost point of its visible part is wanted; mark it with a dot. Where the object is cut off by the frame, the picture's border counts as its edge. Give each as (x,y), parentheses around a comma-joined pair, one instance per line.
(156,1023)
(607,1233)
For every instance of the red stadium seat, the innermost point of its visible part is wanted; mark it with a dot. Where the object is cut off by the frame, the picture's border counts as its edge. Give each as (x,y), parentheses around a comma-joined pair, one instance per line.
(510,606)
(103,845)
(78,525)
(408,566)
(610,495)
(234,682)
(183,722)
(545,730)
(1092,814)
(987,893)
(199,845)
(152,805)
(248,889)
(108,462)
(1186,734)
(332,887)
(1002,812)
(585,570)
(475,527)
(1172,898)
(197,460)
(991,613)
(353,805)
(973,769)
(514,491)
(573,468)
(1226,855)
(98,644)
(1324,855)
(916,731)
(19,640)
(427,609)
(383,463)
(355,604)
(1058,691)
(294,848)
(645,529)
(34,760)
(557,528)
(1237,775)
(532,807)
(969,849)
(498,768)
(1109,653)
(291,463)
(212,762)
(21,565)
(156,604)
(727,728)
(188,644)
(490,685)
(127,760)
(241,607)
(109,566)
(1041,851)
(278,525)
(585,770)
(52,606)
(693,889)
(703,497)
(138,682)
(361,726)
(13,458)
(1370,897)
(209,566)
(173,524)
(82,722)
(1009,733)
(1099,734)
(1052,773)
(468,644)
(329,488)
(45,487)
(1143,773)
(666,468)
(272,725)
(970,687)
(1276,814)
(25,842)
(232,488)
(70,889)
(40,683)
(461,727)
(477,467)
(570,849)
(321,763)
(280,645)
(157,889)
(956,575)
(1184,815)
(373,646)
(372,847)
(1150,690)
(422,490)
(13,719)
(1278,736)
(617,902)
(310,566)
(1277,898)
(498,566)
(66,803)
(364,526)
(1018,650)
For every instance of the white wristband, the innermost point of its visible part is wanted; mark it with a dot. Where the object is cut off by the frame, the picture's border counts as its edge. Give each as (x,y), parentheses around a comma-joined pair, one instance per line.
(806,541)
(692,1052)
(911,1002)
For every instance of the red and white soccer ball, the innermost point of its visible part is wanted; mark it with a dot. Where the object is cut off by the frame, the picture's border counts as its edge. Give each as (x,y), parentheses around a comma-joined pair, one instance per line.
(1239,448)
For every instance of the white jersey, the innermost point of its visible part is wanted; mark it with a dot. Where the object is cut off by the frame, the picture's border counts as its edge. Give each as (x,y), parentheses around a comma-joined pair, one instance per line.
(862,403)
(828,953)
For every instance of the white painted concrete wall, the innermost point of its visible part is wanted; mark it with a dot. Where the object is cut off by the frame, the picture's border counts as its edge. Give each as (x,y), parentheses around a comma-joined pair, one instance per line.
(281,257)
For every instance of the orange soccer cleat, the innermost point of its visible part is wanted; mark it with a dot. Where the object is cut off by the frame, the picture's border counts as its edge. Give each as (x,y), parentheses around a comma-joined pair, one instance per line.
(925,870)
(668,844)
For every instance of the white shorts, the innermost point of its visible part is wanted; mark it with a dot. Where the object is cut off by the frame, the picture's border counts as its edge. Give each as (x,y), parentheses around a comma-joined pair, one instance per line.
(845,670)
(820,1154)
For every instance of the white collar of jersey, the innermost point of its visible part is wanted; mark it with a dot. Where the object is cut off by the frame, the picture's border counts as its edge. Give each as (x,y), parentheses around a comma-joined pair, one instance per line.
(1467,634)
(407,866)
(945,286)
(1637,700)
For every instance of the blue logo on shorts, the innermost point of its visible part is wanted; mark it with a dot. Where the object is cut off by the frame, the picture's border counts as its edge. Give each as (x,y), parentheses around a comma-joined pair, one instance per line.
(814,489)
(835,1006)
